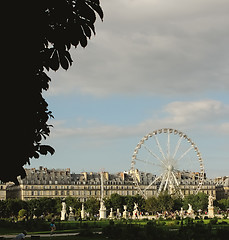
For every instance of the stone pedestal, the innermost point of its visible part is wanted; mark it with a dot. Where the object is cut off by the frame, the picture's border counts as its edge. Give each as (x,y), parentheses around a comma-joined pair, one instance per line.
(211,212)
(111,216)
(102,211)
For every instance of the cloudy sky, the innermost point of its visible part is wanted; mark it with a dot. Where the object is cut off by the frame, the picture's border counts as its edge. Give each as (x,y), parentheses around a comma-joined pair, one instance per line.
(152,64)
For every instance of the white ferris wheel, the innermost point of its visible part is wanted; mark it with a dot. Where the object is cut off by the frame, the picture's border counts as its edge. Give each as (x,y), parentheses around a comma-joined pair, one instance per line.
(166,160)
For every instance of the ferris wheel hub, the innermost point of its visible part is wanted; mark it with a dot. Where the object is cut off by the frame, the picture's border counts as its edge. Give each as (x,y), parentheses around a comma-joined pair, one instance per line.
(170,168)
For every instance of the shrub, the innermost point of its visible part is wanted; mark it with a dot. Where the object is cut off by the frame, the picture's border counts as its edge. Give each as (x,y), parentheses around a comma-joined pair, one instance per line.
(22,214)
(177,217)
(112,231)
(188,221)
(223,222)
(213,221)
(176,222)
(85,232)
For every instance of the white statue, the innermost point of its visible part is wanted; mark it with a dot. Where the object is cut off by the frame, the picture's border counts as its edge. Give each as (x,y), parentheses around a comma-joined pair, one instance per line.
(63,206)
(111,214)
(63,212)
(102,210)
(125,213)
(135,206)
(71,216)
(190,211)
(211,213)
(182,212)
(83,215)
(210,201)
(135,212)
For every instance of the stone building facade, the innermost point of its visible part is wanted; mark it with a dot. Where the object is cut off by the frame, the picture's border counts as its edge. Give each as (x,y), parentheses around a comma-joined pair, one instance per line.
(61,183)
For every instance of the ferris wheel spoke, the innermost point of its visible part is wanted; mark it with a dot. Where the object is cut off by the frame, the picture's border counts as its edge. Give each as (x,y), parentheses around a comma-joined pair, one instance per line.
(153,182)
(177,147)
(167,180)
(153,154)
(178,187)
(148,162)
(175,179)
(162,182)
(185,153)
(168,145)
(159,147)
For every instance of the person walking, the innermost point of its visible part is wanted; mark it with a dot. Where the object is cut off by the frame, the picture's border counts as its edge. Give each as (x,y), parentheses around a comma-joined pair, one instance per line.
(53,227)
(21,236)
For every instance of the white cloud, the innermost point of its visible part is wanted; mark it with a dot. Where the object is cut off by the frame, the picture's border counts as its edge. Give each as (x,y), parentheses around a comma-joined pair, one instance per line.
(153,48)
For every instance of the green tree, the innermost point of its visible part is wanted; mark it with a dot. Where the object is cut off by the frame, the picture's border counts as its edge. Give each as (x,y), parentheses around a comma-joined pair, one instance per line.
(177,204)
(74,203)
(140,201)
(198,201)
(116,201)
(13,206)
(223,204)
(38,36)
(92,206)
(44,206)
(152,205)
(129,201)
(165,202)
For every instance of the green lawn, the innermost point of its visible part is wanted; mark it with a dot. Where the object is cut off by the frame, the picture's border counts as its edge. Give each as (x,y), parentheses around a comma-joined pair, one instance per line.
(74,227)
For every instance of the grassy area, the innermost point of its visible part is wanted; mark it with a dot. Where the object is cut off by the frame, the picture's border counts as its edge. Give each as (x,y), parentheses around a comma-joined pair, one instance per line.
(97,226)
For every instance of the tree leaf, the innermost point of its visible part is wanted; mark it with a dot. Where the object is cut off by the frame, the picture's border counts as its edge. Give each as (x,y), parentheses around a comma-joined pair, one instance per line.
(64,62)
(85,11)
(68,56)
(44,149)
(36,155)
(83,41)
(54,61)
(86,30)
(97,8)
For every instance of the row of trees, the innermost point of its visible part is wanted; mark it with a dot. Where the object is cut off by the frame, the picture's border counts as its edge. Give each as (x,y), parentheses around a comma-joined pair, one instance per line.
(52,206)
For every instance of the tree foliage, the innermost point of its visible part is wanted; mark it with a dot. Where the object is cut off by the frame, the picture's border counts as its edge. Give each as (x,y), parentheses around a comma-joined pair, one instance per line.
(74,203)
(223,204)
(117,201)
(92,206)
(39,35)
(164,202)
(198,201)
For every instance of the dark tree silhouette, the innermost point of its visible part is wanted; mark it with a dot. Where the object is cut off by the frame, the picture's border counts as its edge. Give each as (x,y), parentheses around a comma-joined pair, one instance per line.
(38,36)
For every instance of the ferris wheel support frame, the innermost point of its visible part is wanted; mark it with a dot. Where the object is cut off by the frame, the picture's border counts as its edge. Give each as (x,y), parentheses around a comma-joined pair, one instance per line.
(168,178)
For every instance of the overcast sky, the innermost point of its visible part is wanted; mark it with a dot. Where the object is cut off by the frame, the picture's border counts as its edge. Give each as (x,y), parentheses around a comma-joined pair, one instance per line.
(152,64)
